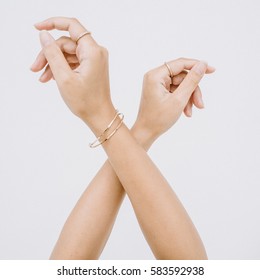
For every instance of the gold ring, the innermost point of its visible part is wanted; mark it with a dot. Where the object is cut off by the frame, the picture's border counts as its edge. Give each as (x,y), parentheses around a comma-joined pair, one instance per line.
(83,34)
(169,69)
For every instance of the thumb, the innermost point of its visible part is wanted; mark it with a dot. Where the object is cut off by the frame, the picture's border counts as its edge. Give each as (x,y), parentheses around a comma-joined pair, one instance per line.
(191,81)
(55,57)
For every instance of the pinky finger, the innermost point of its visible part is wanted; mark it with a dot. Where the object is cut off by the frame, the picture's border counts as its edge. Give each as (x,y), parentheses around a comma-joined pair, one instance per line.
(46,75)
(188,109)
(197,98)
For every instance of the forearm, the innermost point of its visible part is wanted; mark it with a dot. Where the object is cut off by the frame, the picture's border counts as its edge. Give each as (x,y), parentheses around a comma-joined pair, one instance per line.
(90,222)
(88,227)
(164,221)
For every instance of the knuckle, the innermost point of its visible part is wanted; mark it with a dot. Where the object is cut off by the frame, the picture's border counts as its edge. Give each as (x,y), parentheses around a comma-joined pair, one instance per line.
(61,42)
(74,20)
(194,78)
(63,38)
(148,76)
(51,50)
(180,59)
(104,51)
(66,79)
(177,80)
(100,52)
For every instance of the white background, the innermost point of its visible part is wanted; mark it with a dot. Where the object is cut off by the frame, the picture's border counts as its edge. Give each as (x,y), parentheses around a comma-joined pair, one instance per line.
(211,160)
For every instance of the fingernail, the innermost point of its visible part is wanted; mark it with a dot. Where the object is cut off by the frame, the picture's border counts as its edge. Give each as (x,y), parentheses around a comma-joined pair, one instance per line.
(200,67)
(41,79)
(212,67)
(33,65)
(39,22)
(46,38)
(36,25)
(202,103)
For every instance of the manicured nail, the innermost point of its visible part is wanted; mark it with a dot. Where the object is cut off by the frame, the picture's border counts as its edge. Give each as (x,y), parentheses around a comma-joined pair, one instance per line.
(46,38)
(200,67)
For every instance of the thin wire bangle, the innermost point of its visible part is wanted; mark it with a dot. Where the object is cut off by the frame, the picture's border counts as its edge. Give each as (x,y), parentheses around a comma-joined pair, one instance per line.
(110,124)
(94,145)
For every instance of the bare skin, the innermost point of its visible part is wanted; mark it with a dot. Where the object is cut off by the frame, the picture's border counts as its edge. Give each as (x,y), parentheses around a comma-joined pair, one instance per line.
(81,70)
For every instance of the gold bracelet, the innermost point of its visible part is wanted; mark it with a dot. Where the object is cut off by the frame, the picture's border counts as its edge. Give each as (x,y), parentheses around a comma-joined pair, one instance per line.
(99,140)
(110,124)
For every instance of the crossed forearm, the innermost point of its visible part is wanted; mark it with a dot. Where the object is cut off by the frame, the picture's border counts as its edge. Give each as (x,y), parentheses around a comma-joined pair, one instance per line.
(164,222)
(88,227)
(162,218)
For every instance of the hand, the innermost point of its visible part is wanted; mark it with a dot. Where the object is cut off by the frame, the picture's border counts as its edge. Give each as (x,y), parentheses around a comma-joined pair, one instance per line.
(162,102)
(68,48)
(82,74)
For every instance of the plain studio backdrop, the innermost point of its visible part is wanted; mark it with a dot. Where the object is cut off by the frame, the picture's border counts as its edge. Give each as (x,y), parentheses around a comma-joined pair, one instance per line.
(212,160)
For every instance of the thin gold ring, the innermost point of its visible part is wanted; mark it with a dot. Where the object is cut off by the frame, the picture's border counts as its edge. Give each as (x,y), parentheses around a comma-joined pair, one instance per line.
(169,69)
(83,34)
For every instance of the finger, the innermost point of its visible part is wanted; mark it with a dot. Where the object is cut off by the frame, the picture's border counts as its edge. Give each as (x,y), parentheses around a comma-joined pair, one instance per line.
(188,63)
(71,59)
(46,75)
(75,68)
(72,25)
(39,62)
(190,82)
(180,64)
(65,44)
(197,98)
(179,78)
(76,29)
(171,88)
(171,84)
(58,64)
(188,109)
(210,69)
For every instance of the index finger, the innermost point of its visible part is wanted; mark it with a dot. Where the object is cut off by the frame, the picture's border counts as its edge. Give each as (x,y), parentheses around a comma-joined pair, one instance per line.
(180,64)
(72,25)
(191,81)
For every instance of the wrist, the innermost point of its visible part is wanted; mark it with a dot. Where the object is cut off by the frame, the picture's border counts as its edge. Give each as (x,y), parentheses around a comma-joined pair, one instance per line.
(143,136)
(99,121)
